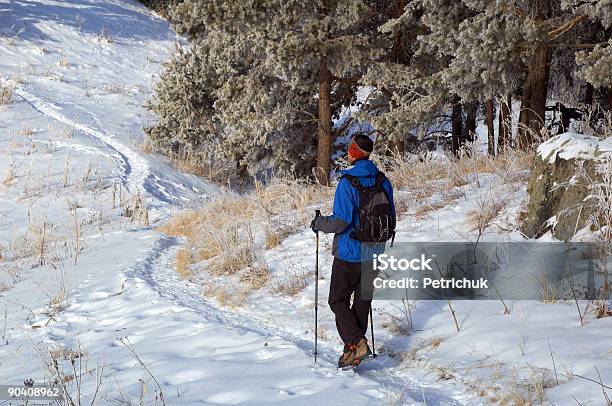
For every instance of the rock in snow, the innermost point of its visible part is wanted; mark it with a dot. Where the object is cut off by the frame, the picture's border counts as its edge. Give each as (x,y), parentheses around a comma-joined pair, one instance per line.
(564,168)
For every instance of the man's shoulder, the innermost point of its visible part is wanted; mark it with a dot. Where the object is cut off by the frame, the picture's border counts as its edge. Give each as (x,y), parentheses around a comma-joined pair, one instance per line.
(345,182)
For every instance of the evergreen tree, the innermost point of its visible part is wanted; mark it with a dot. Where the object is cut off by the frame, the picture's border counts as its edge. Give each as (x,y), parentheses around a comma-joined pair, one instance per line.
(472,51)
(262,80)
(279,70)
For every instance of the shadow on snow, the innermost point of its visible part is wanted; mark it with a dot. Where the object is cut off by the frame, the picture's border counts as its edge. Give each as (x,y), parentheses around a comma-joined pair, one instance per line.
(127,19)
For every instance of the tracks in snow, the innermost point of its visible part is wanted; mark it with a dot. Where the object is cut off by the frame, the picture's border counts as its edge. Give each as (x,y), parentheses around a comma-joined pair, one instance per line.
(158,271)
(134,168)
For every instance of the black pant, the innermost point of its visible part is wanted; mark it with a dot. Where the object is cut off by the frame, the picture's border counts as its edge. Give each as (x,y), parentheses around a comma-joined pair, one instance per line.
(351,321)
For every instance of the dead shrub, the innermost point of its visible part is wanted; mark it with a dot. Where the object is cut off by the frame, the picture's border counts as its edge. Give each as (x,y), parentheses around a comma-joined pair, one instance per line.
(488,209)
(602,309)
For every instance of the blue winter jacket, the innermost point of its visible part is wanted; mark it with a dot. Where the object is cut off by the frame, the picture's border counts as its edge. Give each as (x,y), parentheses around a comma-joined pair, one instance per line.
(345,217)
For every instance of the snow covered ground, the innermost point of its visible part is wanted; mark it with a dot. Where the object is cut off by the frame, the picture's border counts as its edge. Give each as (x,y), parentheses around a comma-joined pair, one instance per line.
(85,281)
(532,355)
(92,289)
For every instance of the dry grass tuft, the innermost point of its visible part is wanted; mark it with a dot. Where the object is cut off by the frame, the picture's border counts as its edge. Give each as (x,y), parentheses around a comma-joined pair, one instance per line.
(223,231)
(6,95)
(134,208)
(182,263)
(274,238)
(423,176)
(414,174)
(425,209)
(256,275)
(233,255)
(294,279)
(9,176)
(230,231)
(181,225)
(231,297)
(435,342)
(186,161)
(114,88)
(105,36)
(26,131)
(480,218)
(220,233)
(284,195)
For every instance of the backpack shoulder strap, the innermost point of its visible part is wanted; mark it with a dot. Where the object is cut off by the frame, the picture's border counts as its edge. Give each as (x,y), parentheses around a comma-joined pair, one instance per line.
(354,181)
(380,179)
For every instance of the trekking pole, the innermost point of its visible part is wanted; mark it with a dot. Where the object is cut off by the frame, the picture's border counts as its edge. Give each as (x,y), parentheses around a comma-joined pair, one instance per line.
(372,329)
(317,214)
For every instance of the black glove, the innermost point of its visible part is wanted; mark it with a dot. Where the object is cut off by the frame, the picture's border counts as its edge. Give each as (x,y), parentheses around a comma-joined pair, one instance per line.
(313,224)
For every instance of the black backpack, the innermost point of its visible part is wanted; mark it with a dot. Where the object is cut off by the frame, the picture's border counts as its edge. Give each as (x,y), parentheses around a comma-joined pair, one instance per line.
(376,220)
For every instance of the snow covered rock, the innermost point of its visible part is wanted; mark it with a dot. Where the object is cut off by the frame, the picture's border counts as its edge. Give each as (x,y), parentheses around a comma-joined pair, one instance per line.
(556,191)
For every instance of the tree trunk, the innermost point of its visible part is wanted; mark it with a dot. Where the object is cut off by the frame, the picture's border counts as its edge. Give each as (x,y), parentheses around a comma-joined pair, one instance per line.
(588,94)
(397,146)
(325,132)
(397,37)
(490,127)
(457,126)
(533,107)
(504,133)
(470,122)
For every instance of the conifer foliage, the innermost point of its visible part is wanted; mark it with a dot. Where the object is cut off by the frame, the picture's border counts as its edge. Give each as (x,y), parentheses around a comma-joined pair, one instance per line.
(262,81)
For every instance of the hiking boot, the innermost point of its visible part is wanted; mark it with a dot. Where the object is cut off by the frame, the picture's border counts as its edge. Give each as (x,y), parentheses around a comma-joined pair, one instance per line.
(361,352)
(348,356)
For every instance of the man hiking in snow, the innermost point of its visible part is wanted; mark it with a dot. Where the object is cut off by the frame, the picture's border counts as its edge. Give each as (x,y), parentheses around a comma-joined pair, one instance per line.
(363,219)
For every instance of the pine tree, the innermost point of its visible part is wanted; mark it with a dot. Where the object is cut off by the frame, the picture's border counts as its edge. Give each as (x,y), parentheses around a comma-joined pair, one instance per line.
(282,71)
(595,57)
(262,81)
(472,51)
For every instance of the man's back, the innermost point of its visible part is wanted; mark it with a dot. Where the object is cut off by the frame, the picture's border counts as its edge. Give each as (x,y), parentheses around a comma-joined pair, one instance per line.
(345,217)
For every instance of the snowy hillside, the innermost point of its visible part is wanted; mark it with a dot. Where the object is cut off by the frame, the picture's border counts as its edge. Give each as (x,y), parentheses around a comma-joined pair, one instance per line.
(90,296)
(80,73)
